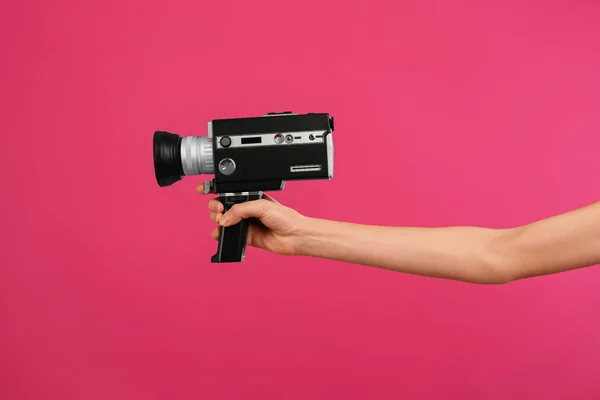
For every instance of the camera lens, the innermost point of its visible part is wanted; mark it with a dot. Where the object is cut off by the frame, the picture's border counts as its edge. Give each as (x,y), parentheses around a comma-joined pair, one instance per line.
(167,158)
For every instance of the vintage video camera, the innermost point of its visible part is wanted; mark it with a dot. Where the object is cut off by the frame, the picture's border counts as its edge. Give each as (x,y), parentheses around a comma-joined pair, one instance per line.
(248,156)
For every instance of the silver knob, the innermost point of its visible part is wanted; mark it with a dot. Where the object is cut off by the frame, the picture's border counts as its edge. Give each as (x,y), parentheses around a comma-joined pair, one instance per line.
(227,166)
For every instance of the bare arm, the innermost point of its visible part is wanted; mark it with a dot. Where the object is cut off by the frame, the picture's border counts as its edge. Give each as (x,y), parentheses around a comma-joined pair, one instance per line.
(471,254)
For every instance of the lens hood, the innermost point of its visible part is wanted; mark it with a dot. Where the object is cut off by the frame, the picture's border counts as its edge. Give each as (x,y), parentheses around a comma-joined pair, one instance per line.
(167,158)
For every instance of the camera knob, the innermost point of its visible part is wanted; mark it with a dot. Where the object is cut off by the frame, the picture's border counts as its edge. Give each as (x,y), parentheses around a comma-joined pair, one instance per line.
(227,166)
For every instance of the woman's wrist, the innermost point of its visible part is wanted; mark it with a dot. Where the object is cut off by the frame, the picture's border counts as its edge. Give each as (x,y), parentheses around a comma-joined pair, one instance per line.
(320,238)
(305,236)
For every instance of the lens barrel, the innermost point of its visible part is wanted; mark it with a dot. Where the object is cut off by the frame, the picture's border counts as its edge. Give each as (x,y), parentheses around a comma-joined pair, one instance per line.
(197,155)
(167,158)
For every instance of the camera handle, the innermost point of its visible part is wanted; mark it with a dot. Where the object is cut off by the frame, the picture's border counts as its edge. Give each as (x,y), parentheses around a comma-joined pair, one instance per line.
(233,239)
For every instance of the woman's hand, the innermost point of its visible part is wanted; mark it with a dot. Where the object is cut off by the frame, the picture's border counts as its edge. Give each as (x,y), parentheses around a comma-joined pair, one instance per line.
(276,228)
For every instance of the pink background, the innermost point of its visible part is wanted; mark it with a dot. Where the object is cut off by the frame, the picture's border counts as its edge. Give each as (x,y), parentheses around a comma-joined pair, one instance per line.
(447,113)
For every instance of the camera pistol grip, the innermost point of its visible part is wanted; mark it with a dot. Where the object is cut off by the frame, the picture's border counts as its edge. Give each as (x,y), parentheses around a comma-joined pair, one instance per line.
(233,239)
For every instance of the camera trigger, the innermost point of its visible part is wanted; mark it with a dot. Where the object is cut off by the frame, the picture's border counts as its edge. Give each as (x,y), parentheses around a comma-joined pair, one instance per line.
(207,187)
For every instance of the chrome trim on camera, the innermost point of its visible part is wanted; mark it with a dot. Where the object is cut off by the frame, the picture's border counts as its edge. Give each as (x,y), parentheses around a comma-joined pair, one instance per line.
(329,144)
(270,139)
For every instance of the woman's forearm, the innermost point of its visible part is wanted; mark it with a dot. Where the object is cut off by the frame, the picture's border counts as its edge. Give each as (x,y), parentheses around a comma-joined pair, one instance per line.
(460,253)
(471,254)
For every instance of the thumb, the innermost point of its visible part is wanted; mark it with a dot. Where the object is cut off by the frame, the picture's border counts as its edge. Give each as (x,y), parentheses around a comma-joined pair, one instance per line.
(250,209)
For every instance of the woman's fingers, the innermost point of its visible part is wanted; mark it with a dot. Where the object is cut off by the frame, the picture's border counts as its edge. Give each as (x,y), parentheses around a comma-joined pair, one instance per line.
(215,205)
(250,209)
(200,188)
(216,233)
(215,217)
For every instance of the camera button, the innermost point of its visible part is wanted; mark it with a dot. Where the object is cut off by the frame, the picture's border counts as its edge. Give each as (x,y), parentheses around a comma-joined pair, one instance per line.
(225,141)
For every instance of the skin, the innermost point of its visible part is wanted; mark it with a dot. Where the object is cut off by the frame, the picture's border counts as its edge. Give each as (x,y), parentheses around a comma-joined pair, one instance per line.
(469,254)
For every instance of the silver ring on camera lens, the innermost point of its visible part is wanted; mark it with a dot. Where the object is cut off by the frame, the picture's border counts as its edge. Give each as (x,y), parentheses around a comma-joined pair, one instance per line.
(197,155)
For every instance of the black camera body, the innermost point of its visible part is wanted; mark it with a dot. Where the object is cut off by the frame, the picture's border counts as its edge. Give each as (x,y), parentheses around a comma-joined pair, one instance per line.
(262,153)
(248,156)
